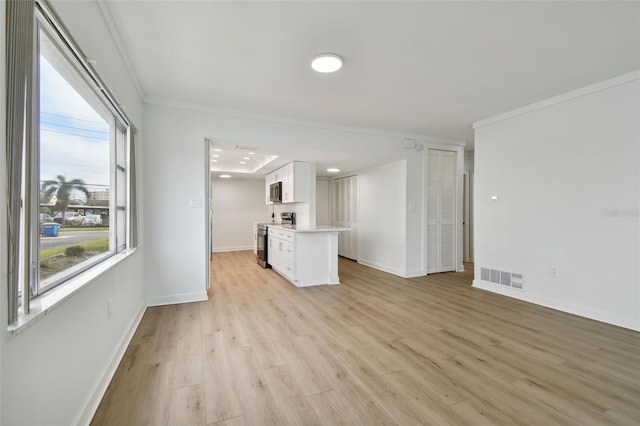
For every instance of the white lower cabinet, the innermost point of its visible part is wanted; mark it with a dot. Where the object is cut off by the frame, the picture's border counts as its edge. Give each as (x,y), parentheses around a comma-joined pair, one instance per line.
(281,249)
(304,258)
(255,239)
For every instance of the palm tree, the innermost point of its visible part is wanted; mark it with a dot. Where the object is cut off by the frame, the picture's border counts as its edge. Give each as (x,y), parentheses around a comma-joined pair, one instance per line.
(63,189)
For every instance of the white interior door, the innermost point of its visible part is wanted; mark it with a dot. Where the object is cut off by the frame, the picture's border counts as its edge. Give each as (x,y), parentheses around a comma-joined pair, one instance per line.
(346,215)
(441,211)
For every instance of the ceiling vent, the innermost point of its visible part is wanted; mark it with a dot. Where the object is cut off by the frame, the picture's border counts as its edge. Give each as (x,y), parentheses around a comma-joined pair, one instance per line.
(247,148)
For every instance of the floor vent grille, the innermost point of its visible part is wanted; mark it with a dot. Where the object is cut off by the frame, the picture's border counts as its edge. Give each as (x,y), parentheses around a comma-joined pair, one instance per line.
(507,279)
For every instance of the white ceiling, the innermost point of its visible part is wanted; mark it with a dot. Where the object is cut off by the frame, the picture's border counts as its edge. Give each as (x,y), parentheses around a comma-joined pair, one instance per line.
(429,68)
(233,158)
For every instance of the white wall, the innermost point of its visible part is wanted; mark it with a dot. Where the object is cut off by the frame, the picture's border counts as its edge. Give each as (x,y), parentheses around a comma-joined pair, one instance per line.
(413,204)
(567,174)
(469,171)
(237,204)
(323,217)
(176,257)
(54,372)
(468,162)
(3,199)
(175,172)
(382,217)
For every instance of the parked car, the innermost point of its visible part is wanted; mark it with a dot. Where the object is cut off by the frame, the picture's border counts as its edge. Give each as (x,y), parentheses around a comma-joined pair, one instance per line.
(45,217)
(92,220)
(71,218)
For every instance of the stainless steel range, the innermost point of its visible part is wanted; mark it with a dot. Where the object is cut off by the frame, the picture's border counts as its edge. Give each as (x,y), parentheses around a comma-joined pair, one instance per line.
(286,218)
(261,238)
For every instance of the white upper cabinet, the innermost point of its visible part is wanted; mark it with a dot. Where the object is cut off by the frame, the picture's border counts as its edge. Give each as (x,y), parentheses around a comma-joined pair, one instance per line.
(268,180)
(295,178)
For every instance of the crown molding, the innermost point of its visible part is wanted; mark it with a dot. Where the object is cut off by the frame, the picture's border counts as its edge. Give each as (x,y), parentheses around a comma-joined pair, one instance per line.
(117,40)
(194,106)
(578,93)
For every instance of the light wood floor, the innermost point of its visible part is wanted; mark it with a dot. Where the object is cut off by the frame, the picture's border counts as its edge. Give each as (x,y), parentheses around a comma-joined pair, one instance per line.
(376,349)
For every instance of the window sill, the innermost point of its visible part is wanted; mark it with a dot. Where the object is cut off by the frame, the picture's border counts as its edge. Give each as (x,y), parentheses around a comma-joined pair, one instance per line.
(42,305)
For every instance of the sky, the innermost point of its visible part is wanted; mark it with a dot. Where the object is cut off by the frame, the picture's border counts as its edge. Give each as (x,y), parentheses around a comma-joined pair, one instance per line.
(74,138)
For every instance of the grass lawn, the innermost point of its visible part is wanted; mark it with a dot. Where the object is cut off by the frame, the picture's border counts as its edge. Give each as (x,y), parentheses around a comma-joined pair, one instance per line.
(99,246)
(55,260)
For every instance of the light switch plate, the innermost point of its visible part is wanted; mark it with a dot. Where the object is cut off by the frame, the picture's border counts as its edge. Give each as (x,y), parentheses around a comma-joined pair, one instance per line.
(495,198)
(195,203)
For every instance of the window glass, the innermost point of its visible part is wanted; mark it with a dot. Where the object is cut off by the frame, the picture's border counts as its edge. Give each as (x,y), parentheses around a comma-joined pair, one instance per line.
(75,140)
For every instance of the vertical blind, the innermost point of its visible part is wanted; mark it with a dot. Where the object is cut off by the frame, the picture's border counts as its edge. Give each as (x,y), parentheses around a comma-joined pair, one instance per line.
(133,192)
(20,58)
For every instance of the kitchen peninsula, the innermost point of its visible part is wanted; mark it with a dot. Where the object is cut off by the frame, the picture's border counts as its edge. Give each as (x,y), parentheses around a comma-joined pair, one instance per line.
(305,255)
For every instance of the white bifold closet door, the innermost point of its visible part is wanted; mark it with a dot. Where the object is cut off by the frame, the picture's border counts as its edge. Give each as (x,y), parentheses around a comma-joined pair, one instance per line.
(346,215)
(441,211)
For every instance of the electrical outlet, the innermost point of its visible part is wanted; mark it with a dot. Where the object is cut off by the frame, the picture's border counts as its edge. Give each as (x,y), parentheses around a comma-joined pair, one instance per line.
(553,271)
(109,308)
(195,203)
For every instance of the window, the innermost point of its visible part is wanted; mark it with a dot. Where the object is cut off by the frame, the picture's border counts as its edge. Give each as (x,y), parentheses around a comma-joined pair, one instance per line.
(72,161)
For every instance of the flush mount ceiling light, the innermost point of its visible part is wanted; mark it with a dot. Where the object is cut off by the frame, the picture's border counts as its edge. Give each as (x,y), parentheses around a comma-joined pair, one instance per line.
(333,170)
(326,62)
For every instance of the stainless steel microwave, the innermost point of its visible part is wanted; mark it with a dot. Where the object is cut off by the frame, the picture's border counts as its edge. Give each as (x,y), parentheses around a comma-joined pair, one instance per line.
(275,192)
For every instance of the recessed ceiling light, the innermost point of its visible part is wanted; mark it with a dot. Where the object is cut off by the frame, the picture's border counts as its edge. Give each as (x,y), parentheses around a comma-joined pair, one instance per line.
(215,155)
(217,149)
(333,170)
(225,176)
(246,158)
(251,153)
(214,161)
(243,162)
(326,62)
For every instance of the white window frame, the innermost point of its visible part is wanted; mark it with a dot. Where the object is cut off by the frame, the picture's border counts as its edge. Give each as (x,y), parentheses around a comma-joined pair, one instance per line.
(35,300)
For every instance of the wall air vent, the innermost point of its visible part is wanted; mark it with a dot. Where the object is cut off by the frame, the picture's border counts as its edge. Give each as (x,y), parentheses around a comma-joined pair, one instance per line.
(516,281)
(485,274)
(507,279)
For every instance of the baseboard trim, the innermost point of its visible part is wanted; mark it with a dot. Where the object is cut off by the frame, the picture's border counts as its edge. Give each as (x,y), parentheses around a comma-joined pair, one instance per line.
(225,249)
(414,274)
(388,269)
(581,311)
(88,410)
(178,298)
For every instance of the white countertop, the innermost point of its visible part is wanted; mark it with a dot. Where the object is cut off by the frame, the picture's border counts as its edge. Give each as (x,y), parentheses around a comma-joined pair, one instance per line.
(298,228)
